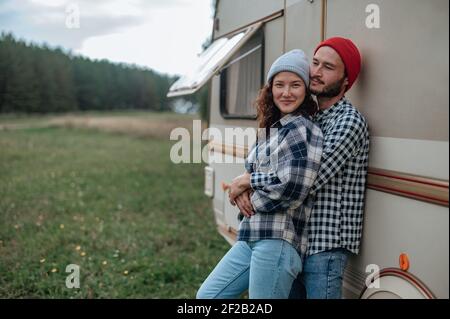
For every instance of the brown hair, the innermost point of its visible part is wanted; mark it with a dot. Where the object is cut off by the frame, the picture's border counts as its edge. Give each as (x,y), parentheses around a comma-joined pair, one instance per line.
(268,113)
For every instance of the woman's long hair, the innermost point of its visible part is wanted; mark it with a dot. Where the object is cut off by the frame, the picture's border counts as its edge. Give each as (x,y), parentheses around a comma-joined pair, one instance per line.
(268,113)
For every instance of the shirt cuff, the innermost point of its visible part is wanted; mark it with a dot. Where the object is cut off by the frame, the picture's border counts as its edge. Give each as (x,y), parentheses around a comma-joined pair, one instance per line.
(258,180)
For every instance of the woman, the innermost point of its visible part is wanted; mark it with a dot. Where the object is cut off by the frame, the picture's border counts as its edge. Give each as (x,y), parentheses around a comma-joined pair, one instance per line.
(281,168)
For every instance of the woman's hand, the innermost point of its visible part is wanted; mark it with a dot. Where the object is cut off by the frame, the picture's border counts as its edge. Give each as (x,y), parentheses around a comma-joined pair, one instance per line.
(244,203)
(238,186)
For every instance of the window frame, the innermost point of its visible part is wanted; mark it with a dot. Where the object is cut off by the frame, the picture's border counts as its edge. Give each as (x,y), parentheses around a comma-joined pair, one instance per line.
(223,83)
(248,31)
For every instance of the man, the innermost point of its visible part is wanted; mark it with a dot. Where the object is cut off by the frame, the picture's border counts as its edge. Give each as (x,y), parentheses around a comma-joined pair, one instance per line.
(335,225)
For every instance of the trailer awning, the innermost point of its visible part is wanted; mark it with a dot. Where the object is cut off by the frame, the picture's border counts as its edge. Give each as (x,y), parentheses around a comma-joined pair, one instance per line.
(211,61)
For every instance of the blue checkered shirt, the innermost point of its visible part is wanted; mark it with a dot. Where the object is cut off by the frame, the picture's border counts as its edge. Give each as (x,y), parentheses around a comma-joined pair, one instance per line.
(283,169)
(337,217)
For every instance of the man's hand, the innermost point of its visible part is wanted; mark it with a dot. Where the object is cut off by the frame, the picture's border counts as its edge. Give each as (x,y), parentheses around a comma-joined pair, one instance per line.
(244,203)
(238,186)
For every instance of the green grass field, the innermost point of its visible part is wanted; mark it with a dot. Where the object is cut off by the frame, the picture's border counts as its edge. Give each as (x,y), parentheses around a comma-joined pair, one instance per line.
(137,225)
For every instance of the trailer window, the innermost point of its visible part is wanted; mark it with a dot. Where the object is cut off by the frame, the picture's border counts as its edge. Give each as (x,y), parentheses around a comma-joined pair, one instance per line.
(242,78)
(211,61)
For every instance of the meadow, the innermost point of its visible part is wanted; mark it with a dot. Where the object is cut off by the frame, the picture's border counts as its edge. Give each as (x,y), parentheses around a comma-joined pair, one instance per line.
(99,191)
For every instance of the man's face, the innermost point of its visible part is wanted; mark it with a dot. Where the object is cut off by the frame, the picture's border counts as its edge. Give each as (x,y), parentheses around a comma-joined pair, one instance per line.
(327,73)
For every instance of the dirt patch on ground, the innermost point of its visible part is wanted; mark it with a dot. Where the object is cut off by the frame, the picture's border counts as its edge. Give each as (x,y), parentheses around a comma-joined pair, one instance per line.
(158,126)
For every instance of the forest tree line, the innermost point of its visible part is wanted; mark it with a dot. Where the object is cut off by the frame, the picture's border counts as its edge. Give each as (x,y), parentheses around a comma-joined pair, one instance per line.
(39,79)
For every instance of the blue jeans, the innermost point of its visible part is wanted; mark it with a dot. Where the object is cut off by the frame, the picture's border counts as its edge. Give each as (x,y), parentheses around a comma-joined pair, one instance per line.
(322,276)
(265,267)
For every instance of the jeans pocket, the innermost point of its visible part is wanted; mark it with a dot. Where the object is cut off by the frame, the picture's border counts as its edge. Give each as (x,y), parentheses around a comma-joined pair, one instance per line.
(335,266)
(335,276)
(295,262)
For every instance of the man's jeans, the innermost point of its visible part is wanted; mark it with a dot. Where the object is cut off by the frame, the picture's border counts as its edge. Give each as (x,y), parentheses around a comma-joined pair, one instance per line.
(322,276)
(267,268)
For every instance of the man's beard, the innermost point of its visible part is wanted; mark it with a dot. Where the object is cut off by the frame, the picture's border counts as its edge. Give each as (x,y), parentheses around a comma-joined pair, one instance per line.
(331,90)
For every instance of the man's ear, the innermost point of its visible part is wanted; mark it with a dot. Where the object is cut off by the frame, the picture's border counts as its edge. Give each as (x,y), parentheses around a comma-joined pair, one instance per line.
(346,81)
(345,84)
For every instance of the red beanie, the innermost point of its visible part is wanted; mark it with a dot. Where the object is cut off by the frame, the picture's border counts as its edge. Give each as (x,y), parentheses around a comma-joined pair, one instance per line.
(349,54)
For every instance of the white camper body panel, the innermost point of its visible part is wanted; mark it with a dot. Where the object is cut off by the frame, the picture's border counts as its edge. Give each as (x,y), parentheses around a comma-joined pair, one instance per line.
(403,92)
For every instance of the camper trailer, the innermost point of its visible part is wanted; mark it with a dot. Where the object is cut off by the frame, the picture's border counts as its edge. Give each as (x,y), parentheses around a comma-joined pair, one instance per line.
(403,93)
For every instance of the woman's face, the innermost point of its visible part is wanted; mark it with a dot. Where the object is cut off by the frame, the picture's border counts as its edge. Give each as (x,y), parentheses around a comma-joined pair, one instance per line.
(288,92)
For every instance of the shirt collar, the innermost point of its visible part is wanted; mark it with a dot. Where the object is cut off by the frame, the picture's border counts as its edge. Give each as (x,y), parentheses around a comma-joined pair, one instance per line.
(323,114)
(288,118)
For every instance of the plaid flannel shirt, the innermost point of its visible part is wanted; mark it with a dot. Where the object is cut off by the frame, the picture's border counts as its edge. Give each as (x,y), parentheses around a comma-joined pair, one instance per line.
(337,216)
(283,169)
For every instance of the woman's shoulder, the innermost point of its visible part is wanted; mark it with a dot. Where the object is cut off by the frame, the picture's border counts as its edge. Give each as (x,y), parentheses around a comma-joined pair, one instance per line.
(305,121)
(304,128)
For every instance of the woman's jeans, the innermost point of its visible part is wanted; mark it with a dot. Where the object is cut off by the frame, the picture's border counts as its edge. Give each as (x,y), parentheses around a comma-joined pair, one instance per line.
(267,268)
(322,276)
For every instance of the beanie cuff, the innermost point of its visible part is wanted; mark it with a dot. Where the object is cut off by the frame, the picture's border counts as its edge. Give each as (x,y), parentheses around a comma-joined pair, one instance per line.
(288,68)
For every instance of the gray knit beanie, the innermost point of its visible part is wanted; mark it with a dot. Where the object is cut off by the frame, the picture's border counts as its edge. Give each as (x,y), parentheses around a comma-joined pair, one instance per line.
(293,61)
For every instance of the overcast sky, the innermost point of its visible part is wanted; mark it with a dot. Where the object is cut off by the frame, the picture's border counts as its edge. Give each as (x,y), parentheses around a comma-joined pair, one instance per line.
(165,35)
